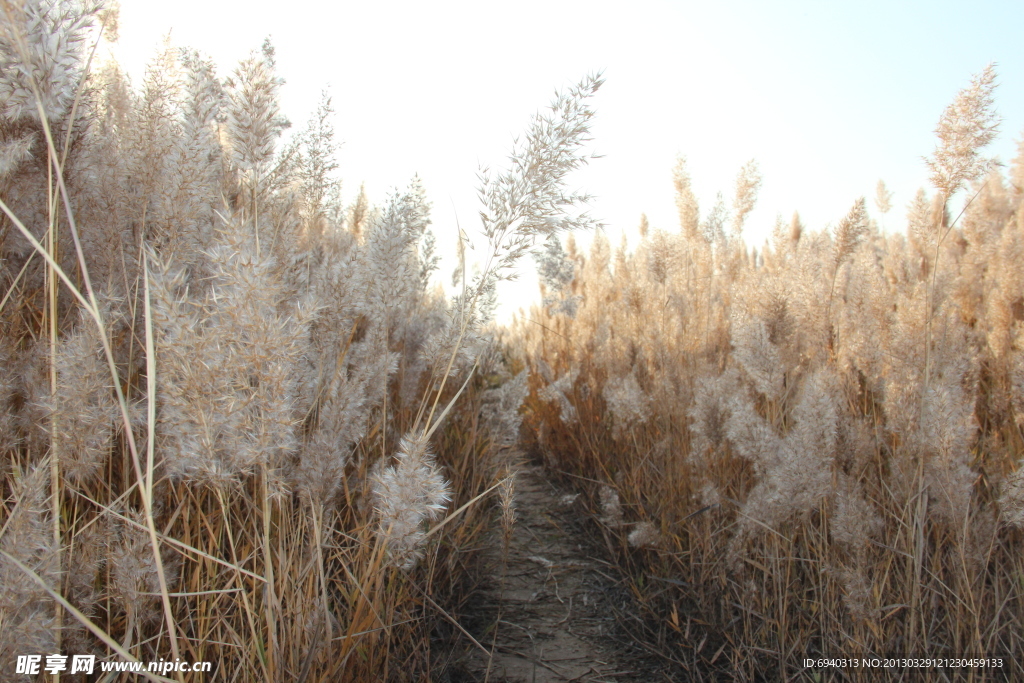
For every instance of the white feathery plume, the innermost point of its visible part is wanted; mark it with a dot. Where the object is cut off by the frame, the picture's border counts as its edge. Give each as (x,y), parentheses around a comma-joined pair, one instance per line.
(559,391)
(611,507)
(748,184)
(27,622)
(134,579)
(644,535)
(254,121)
(757,355)
(627,402)
(966,126)
(82,410)
(710,412)
(795,471)
(41,47)
(854,520)
(14,152)
(228,366)
(406,495)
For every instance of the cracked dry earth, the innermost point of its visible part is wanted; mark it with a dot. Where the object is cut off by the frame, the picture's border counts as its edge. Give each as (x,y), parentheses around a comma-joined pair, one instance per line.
(546,615)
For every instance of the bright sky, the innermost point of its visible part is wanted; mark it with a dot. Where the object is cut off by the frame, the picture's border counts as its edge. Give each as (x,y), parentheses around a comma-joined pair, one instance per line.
(828,97)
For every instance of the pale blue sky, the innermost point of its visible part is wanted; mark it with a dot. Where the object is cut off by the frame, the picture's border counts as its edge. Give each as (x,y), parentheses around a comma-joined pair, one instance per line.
(828,97)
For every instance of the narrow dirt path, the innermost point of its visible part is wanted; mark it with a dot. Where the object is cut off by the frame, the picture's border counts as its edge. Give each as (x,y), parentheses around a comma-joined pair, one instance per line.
(545,613)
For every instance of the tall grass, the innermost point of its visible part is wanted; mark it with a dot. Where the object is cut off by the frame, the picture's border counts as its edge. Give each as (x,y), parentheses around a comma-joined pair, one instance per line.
(811,448)
(238,424)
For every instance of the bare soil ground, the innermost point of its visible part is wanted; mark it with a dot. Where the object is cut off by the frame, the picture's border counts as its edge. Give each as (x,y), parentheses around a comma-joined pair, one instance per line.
(547,611)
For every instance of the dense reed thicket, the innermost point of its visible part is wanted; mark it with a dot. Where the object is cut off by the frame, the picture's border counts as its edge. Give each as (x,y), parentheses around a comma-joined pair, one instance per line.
(238,423)
(812,448)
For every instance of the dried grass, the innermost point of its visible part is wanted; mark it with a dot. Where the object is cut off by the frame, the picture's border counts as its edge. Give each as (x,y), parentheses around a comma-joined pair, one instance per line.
(829,451)
(209,362)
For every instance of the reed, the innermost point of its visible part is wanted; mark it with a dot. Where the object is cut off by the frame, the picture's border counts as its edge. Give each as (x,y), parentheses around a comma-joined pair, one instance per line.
(811,449)
(238,424)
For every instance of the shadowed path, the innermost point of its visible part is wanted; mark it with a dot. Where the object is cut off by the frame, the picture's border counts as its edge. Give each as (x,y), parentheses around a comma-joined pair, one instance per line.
(546,614)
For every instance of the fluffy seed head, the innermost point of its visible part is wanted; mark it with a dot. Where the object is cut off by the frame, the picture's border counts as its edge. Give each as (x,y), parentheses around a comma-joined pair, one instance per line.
(967,125)
(407,494)
(41,47)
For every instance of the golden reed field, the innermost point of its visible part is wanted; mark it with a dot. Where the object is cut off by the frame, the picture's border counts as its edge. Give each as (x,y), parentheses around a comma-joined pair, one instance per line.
(243,426)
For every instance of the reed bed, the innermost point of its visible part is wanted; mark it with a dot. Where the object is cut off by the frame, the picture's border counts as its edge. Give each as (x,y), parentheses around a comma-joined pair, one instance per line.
(809,449)
(239,423)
